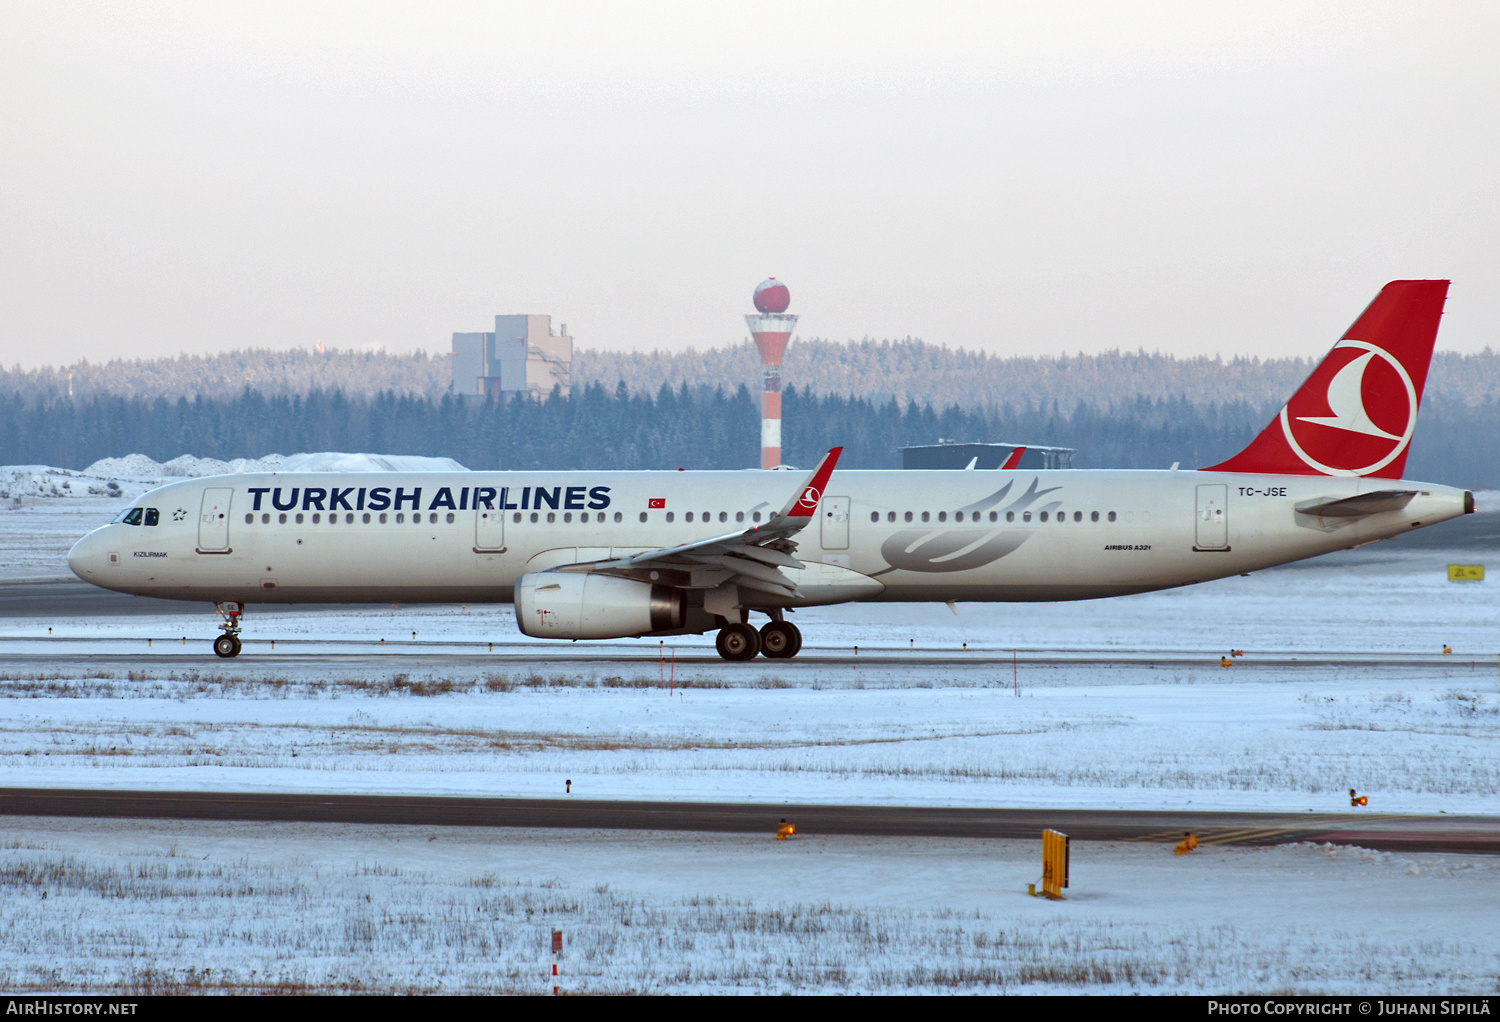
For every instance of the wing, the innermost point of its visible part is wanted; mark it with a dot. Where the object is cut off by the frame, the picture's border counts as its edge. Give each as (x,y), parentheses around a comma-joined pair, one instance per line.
(751,558)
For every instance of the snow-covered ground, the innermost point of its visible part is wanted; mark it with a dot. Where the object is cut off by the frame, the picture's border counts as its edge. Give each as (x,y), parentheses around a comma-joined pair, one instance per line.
(1260,744)
(159,907)
(1128,706)
(1122,704)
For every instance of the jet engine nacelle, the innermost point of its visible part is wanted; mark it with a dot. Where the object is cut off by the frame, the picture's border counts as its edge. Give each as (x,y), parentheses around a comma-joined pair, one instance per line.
(569,605)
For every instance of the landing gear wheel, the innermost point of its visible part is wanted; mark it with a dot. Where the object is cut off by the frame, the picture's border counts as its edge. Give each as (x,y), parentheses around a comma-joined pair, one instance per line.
(227,646)
(738,642)
(780,640)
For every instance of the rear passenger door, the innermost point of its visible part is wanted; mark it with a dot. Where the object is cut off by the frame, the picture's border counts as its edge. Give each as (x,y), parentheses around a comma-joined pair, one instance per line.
(1212,530)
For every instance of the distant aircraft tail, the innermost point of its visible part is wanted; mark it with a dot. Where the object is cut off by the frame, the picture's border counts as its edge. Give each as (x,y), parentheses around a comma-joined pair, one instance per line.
(1355,414)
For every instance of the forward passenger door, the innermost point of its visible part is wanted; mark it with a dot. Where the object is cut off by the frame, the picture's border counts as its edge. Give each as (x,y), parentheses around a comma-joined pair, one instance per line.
(213,520)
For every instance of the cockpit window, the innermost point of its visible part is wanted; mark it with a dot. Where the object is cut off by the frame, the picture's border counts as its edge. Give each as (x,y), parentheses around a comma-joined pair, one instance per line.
(153,516)
(130,516)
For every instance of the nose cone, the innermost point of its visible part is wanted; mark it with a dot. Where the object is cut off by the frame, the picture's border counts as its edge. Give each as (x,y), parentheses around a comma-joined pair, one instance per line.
(84,558)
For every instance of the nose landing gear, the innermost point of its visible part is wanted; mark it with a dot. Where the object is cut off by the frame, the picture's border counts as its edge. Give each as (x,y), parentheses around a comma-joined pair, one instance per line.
(228,644)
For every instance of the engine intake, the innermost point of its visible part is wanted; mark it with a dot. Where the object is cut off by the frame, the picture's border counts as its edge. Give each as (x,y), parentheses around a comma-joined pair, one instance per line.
(569,605)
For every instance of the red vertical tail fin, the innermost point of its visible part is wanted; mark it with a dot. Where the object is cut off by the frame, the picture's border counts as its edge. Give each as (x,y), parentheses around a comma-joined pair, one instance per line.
(1354,416)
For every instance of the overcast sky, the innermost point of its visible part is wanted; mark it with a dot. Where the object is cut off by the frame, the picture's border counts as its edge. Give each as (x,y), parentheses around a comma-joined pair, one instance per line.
(1029,178)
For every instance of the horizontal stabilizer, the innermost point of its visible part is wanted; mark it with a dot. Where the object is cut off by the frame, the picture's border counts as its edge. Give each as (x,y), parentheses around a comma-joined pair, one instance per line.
(1358,507)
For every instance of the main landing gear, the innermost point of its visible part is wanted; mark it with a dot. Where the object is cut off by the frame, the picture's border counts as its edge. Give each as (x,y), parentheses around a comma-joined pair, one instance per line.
(777,640)
(228,644)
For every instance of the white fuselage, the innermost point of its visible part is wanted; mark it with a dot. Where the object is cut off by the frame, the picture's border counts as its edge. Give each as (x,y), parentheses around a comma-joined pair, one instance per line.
(878,535)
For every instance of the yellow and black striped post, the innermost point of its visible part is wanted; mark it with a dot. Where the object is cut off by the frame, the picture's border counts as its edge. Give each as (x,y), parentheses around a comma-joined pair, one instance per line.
(1054,864)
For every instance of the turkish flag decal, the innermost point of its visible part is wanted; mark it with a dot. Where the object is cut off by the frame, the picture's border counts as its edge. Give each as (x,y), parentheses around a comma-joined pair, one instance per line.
(657,502)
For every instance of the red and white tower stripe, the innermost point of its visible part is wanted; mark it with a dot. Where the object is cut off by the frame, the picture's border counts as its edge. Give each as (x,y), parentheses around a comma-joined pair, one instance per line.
(772,329)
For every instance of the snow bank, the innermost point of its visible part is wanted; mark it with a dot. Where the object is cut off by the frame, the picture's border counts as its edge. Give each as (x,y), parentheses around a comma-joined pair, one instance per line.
(138,466)
(333,461)
(18,482)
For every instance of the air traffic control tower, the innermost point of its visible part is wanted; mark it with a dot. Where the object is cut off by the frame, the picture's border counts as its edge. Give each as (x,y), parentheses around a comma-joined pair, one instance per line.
(772,329)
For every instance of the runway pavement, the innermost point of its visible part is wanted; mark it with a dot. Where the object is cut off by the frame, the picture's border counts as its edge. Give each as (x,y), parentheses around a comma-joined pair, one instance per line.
(1442,833)
(64,598)
(100,653)
(29,605)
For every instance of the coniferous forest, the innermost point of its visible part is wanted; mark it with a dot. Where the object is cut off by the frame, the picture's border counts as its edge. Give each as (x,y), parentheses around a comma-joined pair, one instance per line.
(687,427)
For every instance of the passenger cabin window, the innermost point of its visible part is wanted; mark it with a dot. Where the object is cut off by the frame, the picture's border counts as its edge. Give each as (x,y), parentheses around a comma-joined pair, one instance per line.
(1042,516)
(908,516)
(515,518)
(926,516)
(250,518)
(1111,516)
(942,516)
(994,516)
(756,516)
(1010,516)
(669,515)
(890,516)
(1093,516)
(874,516)
(1077,516)
(688,517)
(644,516)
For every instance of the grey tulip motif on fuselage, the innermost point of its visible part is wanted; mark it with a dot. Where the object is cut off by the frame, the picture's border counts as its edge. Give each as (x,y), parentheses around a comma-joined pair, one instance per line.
(961,546)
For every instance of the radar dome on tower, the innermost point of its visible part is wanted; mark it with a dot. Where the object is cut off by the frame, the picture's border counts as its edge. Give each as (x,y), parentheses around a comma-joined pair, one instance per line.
(772,296)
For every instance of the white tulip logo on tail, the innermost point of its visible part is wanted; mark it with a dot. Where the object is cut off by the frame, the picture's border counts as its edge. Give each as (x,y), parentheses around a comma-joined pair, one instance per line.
(1349,441)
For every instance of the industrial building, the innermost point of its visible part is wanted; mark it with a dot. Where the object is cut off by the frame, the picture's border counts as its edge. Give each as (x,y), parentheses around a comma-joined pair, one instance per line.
(948,454)
(521,356)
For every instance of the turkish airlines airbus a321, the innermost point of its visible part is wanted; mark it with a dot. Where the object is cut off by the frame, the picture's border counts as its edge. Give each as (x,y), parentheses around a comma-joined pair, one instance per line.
(600,555)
